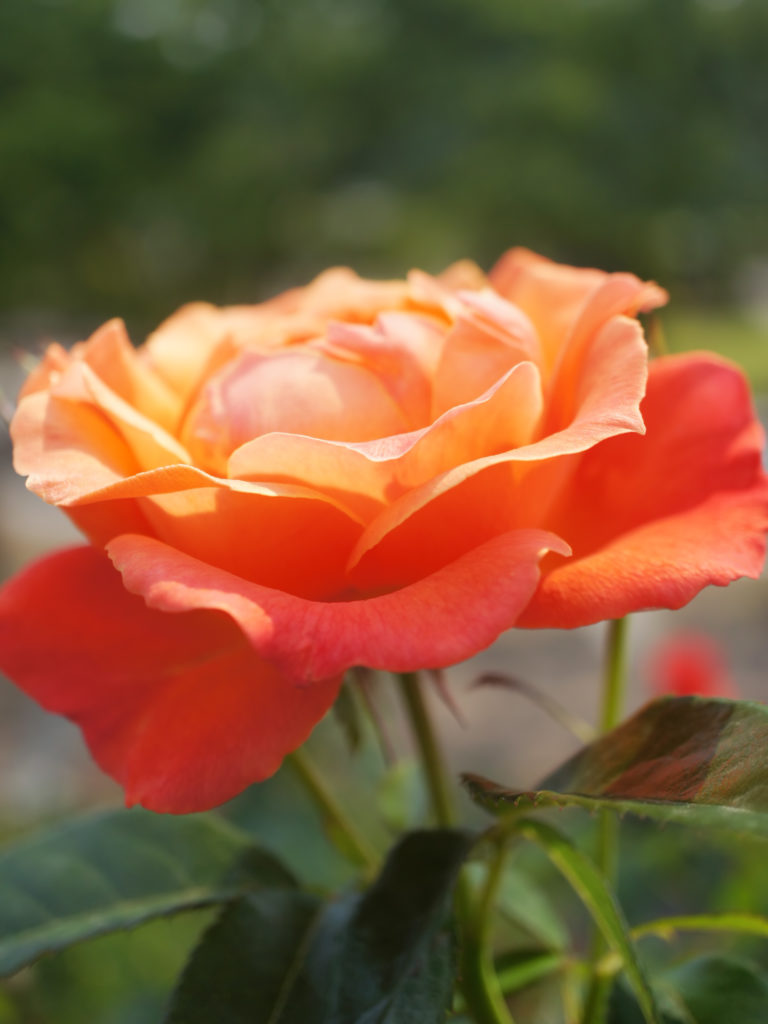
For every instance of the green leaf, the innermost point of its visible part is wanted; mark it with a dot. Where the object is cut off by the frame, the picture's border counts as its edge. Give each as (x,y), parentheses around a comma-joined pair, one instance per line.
(397,952)
(385,956)
(588,883)
(250,962)
(686,759)
(116,869)
(720,990)
(707,990)
(524,902)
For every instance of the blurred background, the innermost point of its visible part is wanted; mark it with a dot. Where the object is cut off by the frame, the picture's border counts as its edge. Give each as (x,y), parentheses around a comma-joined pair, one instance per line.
(154,152)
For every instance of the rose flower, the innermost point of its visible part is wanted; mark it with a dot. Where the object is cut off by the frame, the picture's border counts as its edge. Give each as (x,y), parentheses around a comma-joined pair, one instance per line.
(366,473)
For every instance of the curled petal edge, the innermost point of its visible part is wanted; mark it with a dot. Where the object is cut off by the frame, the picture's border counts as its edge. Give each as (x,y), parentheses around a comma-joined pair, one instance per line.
(436,621)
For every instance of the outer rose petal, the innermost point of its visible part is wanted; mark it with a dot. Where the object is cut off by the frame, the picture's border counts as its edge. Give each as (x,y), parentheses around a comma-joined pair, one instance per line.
(178,708)
(554,294)
(692,511)
(436,621)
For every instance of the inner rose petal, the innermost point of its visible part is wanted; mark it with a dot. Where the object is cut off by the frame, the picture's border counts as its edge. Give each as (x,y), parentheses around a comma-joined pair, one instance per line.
(298,391)
(402,349)
(504,418)
(489,337)
(610,389)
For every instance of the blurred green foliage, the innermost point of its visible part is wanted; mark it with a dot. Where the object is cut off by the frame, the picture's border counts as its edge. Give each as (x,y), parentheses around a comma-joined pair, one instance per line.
(155,152)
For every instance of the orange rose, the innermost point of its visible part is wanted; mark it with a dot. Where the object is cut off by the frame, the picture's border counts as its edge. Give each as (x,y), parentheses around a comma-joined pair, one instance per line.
(386,474)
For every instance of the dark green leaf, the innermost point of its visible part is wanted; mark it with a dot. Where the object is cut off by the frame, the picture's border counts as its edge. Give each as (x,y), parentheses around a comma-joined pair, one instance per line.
(397,952)
(250,962)
(385,956)
(599,900)
(114,870)
(686,759)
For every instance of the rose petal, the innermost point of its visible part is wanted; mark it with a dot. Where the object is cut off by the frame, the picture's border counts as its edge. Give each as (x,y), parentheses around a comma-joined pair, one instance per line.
(503,418)
(116,363)
(178,708)
(47,372)
(191,344)
(612,384)
(297,541)
(488,337)
(150,443)
(554,294)
(434,622)
(66,448)
(403,349)
(693,510)
(300,391)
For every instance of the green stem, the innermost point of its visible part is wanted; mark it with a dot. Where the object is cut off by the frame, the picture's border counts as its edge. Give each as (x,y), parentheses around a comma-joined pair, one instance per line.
(354,844)
(613,692)
(480,988)
(429,751)
(614,680)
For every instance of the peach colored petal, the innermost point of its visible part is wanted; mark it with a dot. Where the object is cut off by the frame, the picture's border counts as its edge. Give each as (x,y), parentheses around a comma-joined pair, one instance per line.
(172,479)
(178,708)
(113,359)
(151,445)
(554,294)
(487,338)
(613,383)
(190,345)
(403,349)
(297,390)
(53,363)
(295,542)
(505,417)
(619,294)
(182,346)
(340,294)
(103,521)
(435,621)
(463,274)
(66,448)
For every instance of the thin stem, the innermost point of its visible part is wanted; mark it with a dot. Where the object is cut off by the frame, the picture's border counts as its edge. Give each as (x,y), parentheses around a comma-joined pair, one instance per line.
(431,758)
(614,686)
(480,988)
(479,984)
(614,680)
(355,844)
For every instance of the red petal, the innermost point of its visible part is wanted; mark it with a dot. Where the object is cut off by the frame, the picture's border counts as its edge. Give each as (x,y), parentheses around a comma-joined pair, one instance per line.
(178,708)
(436,621)
(654,519)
